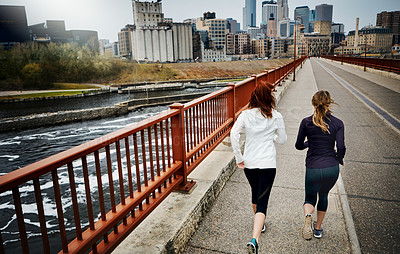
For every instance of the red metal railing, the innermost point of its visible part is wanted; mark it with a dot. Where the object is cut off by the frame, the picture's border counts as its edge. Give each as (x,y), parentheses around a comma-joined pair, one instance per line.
(392,65)
(124,175)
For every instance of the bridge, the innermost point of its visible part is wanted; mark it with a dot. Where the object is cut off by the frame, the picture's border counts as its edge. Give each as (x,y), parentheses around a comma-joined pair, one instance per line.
(363,214)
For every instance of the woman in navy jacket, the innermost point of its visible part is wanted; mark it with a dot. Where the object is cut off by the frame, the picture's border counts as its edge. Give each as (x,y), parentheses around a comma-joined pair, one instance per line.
(322,131)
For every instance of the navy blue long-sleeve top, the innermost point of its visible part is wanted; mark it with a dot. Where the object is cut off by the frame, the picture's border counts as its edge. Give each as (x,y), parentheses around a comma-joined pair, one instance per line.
(321,146)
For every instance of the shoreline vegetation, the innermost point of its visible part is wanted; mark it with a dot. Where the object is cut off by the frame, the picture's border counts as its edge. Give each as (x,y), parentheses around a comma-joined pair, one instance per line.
(32,66)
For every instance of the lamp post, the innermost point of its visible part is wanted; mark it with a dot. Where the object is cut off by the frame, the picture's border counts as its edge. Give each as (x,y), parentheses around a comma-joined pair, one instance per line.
(294,58)
(342,45)
(365,56)
(342,53)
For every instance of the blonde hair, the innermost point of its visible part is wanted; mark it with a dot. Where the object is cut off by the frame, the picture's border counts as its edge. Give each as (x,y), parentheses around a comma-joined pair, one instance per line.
(322,102)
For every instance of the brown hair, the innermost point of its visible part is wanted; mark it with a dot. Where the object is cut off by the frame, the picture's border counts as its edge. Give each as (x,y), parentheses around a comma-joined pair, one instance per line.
(322,101)
(263,98)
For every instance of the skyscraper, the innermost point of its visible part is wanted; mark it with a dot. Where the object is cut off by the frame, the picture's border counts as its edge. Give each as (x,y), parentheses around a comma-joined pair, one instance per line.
(283,10)
(269,7)
(249,14)
(313,18)
(269,10)
(304,13)
(324,12)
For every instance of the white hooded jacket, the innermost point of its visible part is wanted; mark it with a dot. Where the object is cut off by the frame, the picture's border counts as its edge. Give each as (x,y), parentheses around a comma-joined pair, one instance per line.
(261,133)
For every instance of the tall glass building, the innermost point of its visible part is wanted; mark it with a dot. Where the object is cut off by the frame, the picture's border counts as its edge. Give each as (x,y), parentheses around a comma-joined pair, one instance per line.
(249,14)
(304,13)
(269,7)
(283,10)
(324,12)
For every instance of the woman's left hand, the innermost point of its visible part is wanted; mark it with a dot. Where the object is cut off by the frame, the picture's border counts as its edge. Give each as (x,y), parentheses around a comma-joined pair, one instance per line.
(241,165)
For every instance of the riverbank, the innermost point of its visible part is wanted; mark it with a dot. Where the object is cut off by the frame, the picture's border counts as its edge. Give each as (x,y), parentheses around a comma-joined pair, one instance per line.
(144,74)
(69,116)
(193,71)
(37,95)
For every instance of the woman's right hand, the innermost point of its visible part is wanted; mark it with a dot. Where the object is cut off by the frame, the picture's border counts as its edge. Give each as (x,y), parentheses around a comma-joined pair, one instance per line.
(241,165)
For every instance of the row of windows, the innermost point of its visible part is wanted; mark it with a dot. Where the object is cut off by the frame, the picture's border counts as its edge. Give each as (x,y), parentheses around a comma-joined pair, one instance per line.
(152,15)
(153,20)
(216,23)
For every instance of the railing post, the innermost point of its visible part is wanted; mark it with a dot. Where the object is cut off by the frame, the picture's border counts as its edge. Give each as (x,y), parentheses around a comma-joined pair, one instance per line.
(255,79)
(231,102)
(268,75)
(178,146)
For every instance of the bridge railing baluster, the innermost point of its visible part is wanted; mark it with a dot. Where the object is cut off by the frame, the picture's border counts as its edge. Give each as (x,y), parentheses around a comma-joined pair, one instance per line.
(42,218)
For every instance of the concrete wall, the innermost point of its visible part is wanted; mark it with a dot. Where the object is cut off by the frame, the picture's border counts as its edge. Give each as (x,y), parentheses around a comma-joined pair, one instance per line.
(162,100)
(38,120)
(92,93)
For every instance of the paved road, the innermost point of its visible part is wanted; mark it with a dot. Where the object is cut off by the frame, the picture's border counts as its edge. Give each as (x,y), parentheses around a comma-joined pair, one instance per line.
(372,163)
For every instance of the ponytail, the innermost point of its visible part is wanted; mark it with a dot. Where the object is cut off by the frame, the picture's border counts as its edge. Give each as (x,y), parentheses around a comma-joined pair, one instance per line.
(322,102)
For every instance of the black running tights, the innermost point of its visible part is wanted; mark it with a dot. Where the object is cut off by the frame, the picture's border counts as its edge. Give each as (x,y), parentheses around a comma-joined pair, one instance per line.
(261,181)
(320,181)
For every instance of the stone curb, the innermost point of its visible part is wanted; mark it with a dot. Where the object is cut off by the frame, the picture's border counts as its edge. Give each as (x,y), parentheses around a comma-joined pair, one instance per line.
(348,218)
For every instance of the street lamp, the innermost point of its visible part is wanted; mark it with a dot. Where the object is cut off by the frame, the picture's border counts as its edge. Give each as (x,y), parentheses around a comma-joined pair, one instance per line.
(365,56)
(294,58)
(342,45)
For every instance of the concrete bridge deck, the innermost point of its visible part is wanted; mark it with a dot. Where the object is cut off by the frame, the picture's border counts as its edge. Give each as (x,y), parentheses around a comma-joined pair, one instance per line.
(364,206)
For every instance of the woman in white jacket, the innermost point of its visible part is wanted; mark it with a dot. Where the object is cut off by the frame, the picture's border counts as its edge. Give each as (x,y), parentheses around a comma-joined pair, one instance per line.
(263,126)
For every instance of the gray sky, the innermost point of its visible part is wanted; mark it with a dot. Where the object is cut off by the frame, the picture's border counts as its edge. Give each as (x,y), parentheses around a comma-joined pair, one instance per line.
(107,17)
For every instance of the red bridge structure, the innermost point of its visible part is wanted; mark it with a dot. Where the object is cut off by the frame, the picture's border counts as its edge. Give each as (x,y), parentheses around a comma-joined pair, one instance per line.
(142,164)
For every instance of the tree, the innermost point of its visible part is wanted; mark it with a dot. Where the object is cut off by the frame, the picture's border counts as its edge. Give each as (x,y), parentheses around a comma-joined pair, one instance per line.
(32,73)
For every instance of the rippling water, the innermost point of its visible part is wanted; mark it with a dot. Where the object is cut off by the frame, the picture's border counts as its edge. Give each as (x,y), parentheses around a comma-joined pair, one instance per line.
(18,149)
(21,148)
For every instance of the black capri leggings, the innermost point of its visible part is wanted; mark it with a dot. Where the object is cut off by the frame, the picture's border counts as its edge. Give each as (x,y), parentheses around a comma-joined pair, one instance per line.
(261,181)
(321,181)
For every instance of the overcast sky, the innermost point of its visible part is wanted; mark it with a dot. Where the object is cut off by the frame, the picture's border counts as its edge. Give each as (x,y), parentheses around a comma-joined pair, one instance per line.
(107,17)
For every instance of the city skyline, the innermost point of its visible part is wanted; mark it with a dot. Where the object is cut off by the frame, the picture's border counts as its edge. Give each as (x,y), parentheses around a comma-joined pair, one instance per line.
(107,18)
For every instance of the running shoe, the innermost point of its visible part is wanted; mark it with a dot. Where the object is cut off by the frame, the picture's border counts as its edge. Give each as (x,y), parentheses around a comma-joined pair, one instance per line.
(252,247)
(307,231)
(317,233)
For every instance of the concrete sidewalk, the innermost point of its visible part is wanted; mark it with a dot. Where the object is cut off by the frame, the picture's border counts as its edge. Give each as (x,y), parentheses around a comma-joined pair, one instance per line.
(228,226)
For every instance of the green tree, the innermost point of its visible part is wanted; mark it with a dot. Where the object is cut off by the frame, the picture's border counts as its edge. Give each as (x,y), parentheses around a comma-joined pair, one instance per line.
(31,73)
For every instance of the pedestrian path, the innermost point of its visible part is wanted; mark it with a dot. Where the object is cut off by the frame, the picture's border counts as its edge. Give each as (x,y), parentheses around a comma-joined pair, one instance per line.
(227,227)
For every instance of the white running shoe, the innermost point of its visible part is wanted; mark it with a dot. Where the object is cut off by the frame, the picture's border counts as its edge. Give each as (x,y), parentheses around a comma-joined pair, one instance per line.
(263,229)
